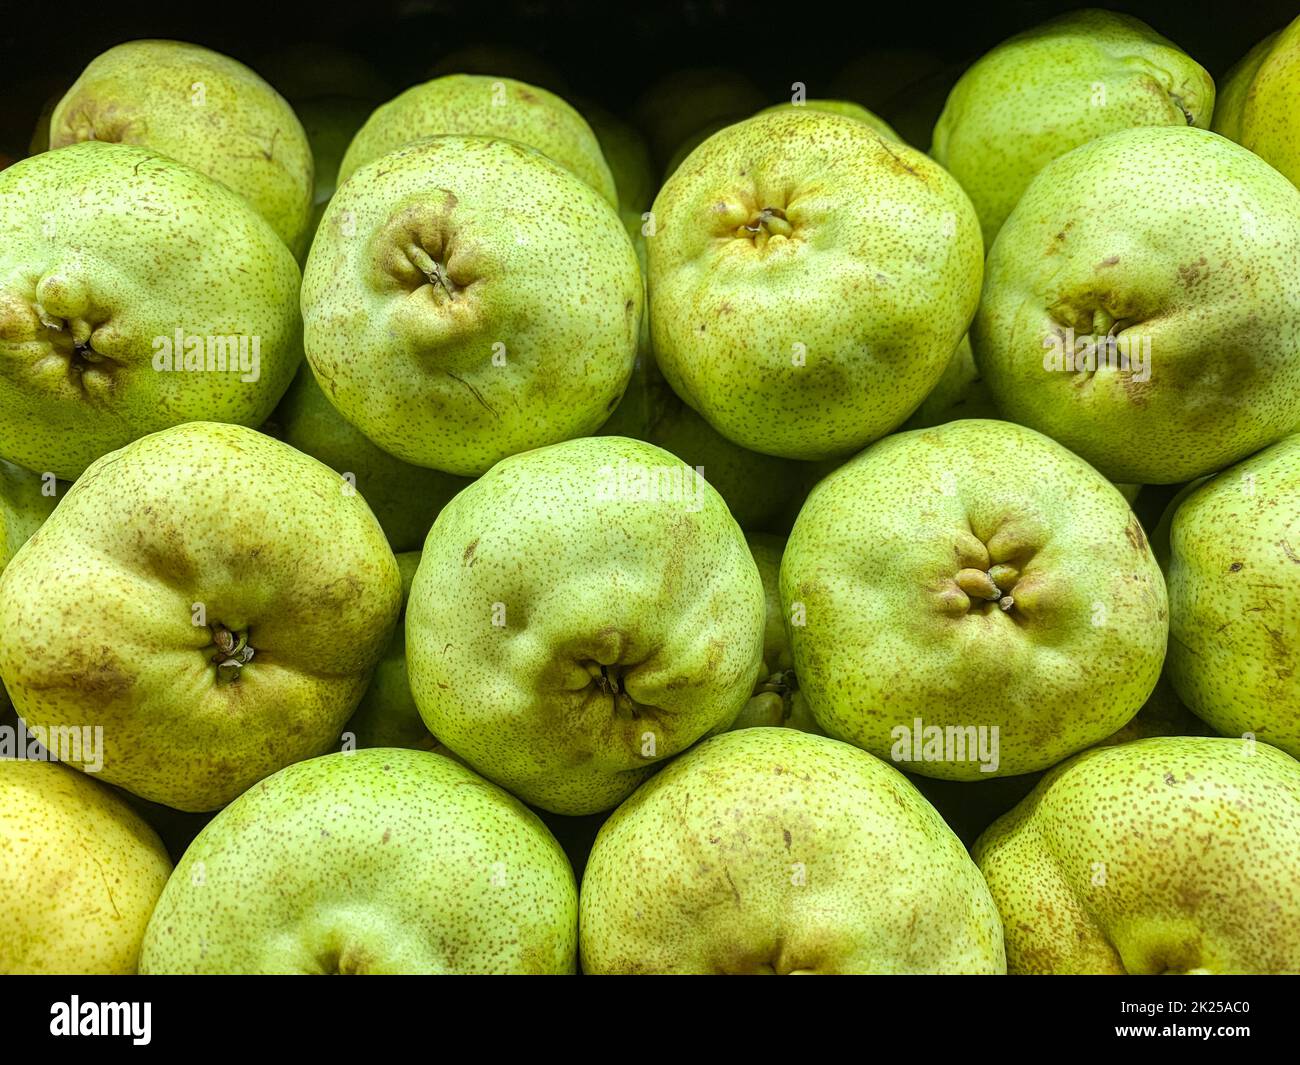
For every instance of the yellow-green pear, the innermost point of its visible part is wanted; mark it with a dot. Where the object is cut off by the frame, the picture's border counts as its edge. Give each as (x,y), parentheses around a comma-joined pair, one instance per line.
(1234,597)
(467,298)
(581,613)
(971,600)
(1259,107)
(847,108)
(1057,86)
(203,109)
(1170,855)
(403,497)
(482,105)
(135,294)
(371,862)
(209,597)
(387,715)
(809,279)
(79,873)
(772,851)
(26,500)
(1142,305)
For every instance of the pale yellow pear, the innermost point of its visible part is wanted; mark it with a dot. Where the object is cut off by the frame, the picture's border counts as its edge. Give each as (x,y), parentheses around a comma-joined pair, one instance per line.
(1260,108)
(809,279)
(488,106)
(79,873)
(373,862)
(212,599)
(1168,855)
(771,851)
(203,109)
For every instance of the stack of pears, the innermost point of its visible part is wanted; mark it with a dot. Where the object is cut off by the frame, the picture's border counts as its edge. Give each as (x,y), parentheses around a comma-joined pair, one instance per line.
(475,530)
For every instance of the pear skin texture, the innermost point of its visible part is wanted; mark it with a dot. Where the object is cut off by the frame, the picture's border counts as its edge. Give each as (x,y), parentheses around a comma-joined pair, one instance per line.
(202,109)
(481,105)
(809,279)
(1169,855)
(892,584)
(1262,106)
(771,851)
(847,108)
(1057,86)
(1234,598)
(91,283)
(112,613)
(26,500)
(387,715)
(403,497)
(581,613)
(1185,248)
(369,862)
(79,873)
(466,299)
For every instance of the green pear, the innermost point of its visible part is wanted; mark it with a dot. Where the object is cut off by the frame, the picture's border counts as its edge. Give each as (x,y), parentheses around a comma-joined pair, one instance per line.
(387,715)
(369,862)
(972,600)
(466,299)
(684,102)
(481,105)
(212,599)
(79,873)
(847,108)
(776,701)
(203,109)
(1234,597)
(1169,855)
(26,500)
(1142,305)
(771,851)
(809,280)
(1260,103)
(1057,86)
(403,497)
(148,296)
(581,613)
